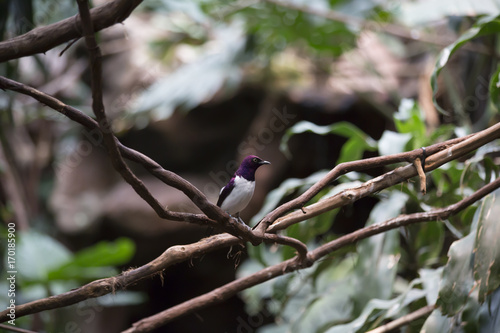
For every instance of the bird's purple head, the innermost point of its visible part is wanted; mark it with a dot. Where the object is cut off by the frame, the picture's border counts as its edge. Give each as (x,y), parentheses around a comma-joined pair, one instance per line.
(249,165)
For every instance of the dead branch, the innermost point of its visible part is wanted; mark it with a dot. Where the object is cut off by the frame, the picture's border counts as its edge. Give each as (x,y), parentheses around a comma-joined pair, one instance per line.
(404,320)
(15,329)
(42,39)
(213,215)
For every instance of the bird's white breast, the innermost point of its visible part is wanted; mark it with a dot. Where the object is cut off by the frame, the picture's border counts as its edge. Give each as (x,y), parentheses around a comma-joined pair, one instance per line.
(240,196)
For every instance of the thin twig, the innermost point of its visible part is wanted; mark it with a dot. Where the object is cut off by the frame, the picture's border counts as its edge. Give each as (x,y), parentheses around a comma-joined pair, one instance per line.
(173,255)
(443,153)
(296,244)
(387,28)
(404,320)
(214,216)
(15,329)
(437,155)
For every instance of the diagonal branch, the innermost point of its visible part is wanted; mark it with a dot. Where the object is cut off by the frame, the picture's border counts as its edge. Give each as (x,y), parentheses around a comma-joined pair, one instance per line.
(213,215)
(42,39)
(225,292)
(447,151)
(438,154)
(173,255)
(110,141)
(101,287)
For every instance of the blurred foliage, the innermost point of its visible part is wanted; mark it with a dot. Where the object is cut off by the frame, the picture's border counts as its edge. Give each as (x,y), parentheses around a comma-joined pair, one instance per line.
(488,25)
(46,267)
(389,275)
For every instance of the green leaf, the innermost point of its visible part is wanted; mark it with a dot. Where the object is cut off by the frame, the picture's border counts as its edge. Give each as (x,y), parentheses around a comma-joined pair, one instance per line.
(457,279)
(495,89)
(94,262)
(484,26)
(393,143)
(333,307)
(38,254)
(276,27)
(422,13)
(410,119)
(429,242)
(353,149)
(487,246)
(379,254)
(106,253)
(465,264)
(377,310)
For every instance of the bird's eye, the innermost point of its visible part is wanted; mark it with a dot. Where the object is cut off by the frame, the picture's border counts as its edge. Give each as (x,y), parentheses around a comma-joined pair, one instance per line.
(255,160)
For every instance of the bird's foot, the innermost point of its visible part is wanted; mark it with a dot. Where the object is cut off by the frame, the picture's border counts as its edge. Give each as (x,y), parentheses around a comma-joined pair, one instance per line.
(237,218)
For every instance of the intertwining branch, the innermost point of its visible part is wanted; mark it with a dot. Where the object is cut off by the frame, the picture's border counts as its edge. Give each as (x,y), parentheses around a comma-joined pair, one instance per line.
(294,211)
(438,154)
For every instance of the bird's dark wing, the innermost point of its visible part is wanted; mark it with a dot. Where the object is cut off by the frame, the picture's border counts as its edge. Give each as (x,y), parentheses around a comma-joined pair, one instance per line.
(225,192)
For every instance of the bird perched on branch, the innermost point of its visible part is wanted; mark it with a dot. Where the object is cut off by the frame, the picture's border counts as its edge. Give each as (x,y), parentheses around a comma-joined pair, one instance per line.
(236,195)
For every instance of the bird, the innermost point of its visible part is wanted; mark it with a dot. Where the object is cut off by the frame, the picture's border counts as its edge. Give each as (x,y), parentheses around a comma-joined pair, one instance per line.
(238,192)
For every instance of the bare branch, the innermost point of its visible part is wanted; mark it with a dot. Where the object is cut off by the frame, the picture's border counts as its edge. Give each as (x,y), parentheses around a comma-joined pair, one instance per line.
(110,141)
(216,217)
(42,39)
(15,329)
(104,286)
(171,256)
(438,155)
(421,175)
(225,292)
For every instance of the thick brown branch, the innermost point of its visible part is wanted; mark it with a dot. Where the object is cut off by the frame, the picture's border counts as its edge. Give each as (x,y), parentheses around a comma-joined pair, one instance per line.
(171,256)
(99,111)
(342,169)
(296,244)
(225,292)
(166,176)
(42,39)
(438,154)
(216,216)
(403,220)
(15,329)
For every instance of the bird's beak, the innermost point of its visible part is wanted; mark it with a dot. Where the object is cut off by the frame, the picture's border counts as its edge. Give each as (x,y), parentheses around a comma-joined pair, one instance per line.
(264,162)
